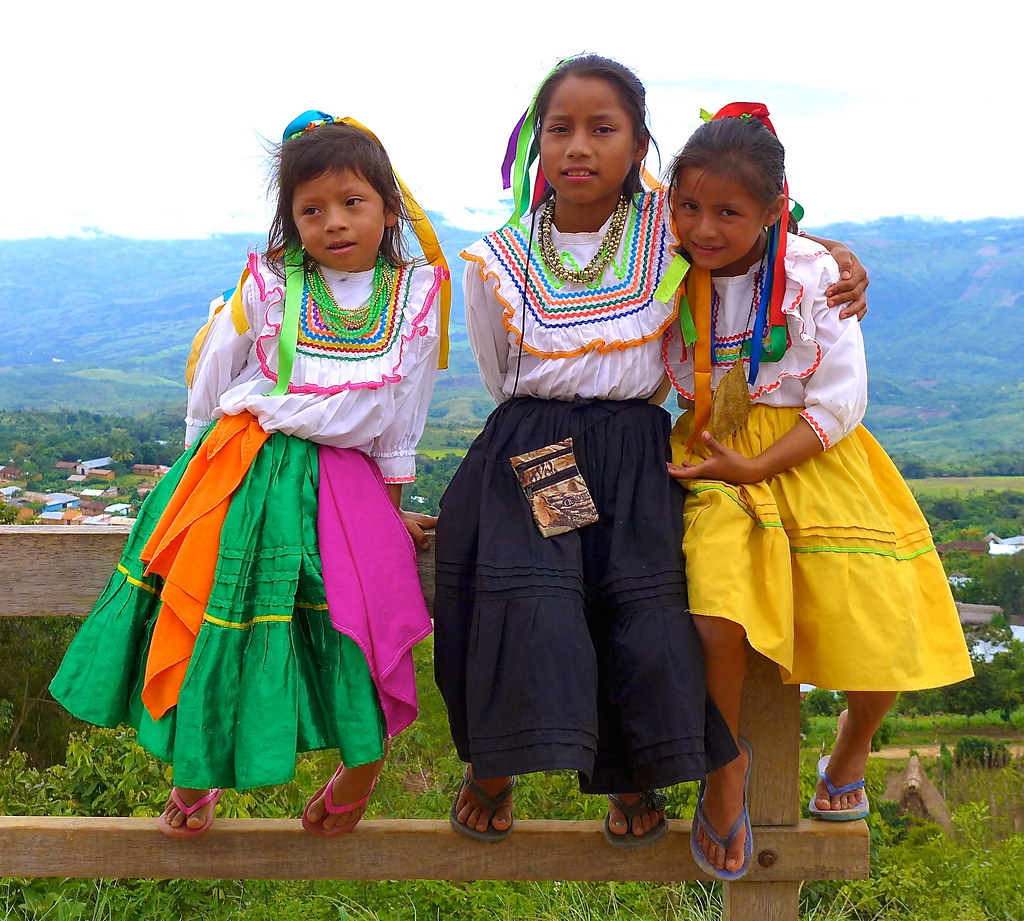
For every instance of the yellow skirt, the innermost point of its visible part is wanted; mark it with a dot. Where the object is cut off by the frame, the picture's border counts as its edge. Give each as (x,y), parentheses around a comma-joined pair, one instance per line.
(829,566)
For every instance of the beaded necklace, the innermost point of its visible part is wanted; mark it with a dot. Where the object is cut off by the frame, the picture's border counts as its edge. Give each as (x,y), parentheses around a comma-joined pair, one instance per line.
(591,273)
(351,321)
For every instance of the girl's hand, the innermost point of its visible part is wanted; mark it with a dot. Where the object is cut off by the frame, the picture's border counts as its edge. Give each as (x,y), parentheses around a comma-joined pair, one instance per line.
(851,289)
(723,464)
(416,524)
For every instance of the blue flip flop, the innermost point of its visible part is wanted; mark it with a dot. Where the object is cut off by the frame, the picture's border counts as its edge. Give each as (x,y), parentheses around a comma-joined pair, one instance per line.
(699,820)
(860,811)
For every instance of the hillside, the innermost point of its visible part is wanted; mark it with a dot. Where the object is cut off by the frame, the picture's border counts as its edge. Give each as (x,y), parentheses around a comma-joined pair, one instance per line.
(105,324)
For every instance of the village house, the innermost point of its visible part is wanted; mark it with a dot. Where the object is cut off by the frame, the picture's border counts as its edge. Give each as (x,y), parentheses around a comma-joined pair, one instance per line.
(61,516)
(64,465)
(977,614)
(100,473)
(9,492)
(1004,546)
(58,501)
(10,473)
(89,467)
(974,548)
(154,470)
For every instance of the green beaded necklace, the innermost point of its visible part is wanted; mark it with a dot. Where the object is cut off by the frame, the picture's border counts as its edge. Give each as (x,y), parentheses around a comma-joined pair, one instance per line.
(347,321)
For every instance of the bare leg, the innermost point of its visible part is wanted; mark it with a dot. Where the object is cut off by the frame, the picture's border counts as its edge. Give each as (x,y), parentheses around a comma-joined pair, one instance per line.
(849,760)
(725,661)
(471,812)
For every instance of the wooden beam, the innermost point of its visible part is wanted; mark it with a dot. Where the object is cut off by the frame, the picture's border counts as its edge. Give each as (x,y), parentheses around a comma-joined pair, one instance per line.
(55,570)
(60,570)
(38,846)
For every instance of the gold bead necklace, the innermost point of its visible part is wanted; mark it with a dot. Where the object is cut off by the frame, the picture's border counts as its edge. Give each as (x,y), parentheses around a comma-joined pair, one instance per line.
(593,271)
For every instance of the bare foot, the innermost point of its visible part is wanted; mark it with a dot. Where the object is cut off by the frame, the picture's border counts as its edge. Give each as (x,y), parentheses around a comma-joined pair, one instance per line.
(646,819)
(723,805)
(471,812)
(176,818)
(847,764)
(350,786)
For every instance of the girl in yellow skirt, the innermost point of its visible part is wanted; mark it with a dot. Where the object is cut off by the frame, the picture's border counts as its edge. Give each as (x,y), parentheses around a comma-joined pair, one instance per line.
(800,535)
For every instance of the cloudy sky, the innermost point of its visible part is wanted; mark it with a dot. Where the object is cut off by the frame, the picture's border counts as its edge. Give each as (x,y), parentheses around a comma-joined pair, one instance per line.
(150,120)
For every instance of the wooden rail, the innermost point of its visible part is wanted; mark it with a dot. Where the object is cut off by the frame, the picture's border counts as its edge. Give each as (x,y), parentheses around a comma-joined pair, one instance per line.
(60,570)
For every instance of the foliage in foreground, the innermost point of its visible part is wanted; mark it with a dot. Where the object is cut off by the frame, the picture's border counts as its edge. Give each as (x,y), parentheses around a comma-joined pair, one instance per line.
(917,872)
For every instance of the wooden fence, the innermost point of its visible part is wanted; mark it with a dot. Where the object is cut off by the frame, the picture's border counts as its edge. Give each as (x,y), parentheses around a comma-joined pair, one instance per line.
(48,571)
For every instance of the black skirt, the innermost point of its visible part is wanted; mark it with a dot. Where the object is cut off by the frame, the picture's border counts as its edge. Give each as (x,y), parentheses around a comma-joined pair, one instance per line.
(575,651)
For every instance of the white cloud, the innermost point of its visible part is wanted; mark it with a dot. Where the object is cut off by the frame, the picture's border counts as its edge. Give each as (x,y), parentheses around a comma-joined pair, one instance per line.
(147,120)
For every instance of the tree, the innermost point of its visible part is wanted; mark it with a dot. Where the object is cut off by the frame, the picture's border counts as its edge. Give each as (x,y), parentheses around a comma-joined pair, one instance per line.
(1002,583)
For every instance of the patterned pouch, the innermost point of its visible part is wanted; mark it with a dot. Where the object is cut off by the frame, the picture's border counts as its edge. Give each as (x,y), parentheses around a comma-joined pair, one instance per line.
(558,496)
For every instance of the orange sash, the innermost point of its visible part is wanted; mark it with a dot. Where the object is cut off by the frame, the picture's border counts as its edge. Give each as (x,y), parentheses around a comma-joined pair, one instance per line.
(698,292)
(183,550)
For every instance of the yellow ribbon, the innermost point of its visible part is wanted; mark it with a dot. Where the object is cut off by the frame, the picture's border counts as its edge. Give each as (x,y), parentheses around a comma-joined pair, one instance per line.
(428,243)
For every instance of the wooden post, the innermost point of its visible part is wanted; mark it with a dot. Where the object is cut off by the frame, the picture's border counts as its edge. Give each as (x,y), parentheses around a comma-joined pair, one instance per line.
(770,721)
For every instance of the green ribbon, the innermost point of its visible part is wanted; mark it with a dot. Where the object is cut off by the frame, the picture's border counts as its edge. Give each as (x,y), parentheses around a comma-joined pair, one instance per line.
(526,154)
(667,287)
(672,279)
(294,281)
(686,321)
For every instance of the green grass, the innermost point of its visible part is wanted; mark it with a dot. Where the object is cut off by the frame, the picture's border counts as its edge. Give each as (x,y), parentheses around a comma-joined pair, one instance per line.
(123,377)
(951,485)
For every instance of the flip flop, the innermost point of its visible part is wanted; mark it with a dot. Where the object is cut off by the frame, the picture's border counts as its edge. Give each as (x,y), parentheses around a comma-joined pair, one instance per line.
(316,828)
(851,813)
(649,799)
(491,803)
(183,831)
(743,821)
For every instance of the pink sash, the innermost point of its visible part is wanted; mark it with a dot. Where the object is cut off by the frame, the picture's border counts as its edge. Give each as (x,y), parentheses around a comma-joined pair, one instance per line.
(370,577)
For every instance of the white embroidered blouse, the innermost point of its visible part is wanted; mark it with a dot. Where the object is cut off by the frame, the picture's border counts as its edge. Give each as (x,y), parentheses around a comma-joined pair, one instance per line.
(601,342)
(824,368)
(369,391)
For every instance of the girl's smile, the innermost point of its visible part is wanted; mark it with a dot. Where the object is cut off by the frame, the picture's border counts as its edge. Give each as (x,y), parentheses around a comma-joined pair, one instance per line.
(341,219)
(719,223)
(587,148)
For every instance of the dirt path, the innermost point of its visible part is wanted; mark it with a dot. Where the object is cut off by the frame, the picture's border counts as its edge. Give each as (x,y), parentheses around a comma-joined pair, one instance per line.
(897,753)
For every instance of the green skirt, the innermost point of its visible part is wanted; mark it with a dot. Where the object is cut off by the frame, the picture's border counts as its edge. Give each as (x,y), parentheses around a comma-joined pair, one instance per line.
(270,676)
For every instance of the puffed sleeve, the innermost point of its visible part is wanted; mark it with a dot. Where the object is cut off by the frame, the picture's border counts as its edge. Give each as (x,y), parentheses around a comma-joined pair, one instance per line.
(394,449)
(487,336)
(836,394)
(222,355)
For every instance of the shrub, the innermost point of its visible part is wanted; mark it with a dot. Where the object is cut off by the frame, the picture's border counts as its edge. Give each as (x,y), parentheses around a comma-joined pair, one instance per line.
(980,751)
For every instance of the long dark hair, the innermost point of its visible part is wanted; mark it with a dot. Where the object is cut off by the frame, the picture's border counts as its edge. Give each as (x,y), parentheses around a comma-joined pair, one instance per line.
(626,84)
(743,149)
(325,150)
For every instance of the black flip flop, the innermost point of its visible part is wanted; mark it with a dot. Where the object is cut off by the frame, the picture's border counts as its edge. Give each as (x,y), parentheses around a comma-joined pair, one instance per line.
(649,799)
(491,803)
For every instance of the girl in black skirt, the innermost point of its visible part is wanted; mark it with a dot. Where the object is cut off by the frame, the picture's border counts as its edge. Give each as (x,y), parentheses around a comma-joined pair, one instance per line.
(574,650)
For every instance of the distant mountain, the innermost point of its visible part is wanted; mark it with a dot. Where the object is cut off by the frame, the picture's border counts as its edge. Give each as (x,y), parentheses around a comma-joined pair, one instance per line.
(105,324)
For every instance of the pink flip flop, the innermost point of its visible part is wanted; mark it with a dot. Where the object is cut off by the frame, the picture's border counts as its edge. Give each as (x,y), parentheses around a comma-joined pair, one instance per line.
(183,831)
(316,828)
